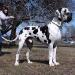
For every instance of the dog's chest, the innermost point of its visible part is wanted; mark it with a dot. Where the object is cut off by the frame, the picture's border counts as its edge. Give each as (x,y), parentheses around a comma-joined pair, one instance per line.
(55,32)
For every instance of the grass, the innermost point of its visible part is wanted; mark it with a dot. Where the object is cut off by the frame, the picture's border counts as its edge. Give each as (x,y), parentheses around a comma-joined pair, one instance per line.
(39,56)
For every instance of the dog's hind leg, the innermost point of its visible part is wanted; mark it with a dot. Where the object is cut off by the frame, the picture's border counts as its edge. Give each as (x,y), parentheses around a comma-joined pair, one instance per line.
(27,56)
(21,43)
(29,43)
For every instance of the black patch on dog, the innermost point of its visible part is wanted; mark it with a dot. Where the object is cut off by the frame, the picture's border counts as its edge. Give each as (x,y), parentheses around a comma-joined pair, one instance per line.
(33,28)
(27,28)
(44,29)
(35,36)
(38,39)
(25,35)
(29,33)
(60,12)
(65,11)
(45,41)
(49,41)
(54,45)
(35,31)
(28,43)
(21,32)
(59,19)
(42,36)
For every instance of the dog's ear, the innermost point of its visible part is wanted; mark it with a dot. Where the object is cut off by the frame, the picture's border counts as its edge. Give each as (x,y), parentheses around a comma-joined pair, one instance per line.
(58,12)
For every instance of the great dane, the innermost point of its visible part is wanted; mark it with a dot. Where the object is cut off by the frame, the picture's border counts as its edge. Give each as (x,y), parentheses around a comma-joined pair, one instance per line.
(48,34)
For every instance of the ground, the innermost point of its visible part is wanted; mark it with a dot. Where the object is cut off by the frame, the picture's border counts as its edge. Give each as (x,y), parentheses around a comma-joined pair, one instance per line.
(39,56)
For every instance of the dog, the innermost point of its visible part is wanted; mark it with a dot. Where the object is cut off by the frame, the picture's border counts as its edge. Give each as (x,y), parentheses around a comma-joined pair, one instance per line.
(48,34)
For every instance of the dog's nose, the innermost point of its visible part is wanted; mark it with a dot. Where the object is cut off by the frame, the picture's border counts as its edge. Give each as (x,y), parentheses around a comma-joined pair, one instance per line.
(70,14)
(69,18)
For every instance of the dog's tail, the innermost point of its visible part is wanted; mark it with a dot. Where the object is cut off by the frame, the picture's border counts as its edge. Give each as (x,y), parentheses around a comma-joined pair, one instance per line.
(10,40)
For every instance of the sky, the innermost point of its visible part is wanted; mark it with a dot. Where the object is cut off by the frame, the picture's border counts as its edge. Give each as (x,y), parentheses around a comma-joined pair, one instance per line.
(73,5)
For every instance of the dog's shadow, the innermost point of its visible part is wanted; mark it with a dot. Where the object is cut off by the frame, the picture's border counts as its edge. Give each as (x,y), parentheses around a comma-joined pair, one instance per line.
(40,61)
(36,61)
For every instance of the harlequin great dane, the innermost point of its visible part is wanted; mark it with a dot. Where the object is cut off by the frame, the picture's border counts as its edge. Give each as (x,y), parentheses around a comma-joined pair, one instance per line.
(48,34)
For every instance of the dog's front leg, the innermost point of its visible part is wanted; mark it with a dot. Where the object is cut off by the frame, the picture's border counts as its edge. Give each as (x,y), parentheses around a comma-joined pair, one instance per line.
(54,56)
(51,54)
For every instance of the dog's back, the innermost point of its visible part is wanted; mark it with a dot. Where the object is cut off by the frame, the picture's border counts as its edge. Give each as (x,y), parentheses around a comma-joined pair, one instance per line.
(39,33)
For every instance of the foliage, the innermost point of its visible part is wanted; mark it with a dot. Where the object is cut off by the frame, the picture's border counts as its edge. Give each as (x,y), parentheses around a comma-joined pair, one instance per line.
(37,10)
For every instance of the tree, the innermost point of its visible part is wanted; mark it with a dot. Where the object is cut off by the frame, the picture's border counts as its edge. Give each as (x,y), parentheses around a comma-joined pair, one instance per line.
(30,10)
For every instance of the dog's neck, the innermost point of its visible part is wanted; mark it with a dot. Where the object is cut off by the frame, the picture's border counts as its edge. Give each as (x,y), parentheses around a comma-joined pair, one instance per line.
(57,22)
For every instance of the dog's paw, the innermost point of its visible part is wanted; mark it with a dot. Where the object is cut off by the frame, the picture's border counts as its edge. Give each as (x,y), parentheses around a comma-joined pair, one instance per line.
(29,62)
(16,64)
(56,63)
(51,64)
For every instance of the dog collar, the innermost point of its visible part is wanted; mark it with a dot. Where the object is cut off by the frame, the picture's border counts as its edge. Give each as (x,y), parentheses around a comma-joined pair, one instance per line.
(56,24)
(60,27)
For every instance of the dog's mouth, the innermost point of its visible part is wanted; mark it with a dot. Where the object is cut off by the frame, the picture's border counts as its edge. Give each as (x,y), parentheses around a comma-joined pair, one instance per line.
(69,17)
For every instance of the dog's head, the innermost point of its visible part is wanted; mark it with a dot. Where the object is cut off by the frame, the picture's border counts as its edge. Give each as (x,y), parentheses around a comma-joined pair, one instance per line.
(63,14)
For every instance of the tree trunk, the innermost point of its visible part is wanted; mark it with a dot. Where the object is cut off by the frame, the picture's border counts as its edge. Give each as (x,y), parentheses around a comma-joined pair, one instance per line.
(13,33)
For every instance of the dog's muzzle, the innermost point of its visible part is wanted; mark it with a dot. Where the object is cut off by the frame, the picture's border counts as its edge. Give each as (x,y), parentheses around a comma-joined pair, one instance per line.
(69,17)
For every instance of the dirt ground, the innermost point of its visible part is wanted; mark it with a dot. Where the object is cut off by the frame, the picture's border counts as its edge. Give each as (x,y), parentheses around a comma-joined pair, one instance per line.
(39,56)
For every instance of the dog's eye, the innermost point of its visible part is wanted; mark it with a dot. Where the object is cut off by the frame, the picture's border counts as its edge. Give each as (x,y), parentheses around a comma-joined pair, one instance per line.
(65,11)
